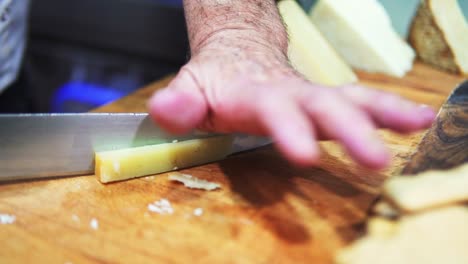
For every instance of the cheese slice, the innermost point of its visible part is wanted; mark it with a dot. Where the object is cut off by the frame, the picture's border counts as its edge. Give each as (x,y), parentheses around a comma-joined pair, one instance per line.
(436,236)
(129,163)
(439,34)
(309,53)
(361,31)
(428,189)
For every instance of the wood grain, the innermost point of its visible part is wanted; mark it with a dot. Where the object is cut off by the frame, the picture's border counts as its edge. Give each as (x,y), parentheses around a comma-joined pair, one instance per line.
(266,211)
(445,144)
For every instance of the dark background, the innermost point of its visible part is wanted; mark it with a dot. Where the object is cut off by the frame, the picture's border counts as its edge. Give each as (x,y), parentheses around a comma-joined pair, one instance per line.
(82,54)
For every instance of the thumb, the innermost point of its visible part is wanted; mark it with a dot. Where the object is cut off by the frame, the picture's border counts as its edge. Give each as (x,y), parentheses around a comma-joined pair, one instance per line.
(181,106)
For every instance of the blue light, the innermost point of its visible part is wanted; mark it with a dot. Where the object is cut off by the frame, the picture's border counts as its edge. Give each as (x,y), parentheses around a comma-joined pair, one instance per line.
(85,93)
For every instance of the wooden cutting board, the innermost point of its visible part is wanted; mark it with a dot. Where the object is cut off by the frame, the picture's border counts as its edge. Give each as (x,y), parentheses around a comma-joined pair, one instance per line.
(266,211)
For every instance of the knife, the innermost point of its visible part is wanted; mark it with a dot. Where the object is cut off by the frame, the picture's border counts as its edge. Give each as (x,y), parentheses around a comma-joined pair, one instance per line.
(59,145)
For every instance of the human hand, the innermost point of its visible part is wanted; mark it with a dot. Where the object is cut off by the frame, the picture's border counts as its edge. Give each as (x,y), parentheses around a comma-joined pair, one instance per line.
(252,89)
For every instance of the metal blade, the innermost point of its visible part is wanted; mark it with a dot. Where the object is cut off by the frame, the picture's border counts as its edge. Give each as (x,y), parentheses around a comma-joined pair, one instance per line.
(55,145)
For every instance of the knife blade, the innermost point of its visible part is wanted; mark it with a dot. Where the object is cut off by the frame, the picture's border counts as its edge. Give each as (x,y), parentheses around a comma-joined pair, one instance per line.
(59,145)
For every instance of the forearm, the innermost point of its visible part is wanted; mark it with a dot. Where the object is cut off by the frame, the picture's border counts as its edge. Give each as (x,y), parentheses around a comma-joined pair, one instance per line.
(241,24)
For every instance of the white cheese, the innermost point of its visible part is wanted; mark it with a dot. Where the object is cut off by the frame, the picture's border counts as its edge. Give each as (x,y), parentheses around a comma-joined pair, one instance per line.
(361,31)
(439,34)
(309,53)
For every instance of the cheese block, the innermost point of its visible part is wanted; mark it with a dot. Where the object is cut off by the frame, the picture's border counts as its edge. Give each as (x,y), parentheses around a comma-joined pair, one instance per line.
(361,31)
(439,34)
(309,53)
(116,165)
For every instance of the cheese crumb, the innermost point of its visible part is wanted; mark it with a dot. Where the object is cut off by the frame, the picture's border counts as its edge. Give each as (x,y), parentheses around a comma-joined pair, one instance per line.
(94,224)
(175,141)
(192,182)
(198,211)
(6,219)
(162,206)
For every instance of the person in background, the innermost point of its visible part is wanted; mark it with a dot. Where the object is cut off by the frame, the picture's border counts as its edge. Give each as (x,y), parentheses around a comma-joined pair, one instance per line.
(13,21)
(239,80)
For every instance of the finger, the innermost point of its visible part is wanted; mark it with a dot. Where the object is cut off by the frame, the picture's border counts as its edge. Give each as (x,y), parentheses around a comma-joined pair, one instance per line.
(338,119)
(389,110)
(290,128)
(181,106)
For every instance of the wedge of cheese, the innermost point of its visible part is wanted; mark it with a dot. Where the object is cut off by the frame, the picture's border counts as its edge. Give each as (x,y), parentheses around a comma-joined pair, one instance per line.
(361,31)
(439,34)
(309,53)
(129,163)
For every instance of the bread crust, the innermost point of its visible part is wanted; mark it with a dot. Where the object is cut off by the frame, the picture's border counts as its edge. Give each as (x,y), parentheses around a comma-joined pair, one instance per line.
(429,41)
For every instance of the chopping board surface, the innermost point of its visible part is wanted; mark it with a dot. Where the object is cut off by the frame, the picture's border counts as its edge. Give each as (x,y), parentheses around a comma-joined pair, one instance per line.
(265,212)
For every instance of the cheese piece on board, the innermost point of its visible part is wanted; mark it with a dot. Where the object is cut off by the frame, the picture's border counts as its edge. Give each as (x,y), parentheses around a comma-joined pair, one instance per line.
(361,31)
(438,236)
(192,182)
(309,53)
(428,189)
(129,163)
(439,34)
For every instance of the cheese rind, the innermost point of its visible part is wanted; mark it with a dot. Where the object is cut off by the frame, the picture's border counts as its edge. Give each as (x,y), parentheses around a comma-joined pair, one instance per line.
(129,163)
(361,31)
(439,34)
(309,53)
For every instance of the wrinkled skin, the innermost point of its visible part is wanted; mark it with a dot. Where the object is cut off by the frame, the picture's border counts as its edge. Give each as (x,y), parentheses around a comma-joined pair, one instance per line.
(239,80)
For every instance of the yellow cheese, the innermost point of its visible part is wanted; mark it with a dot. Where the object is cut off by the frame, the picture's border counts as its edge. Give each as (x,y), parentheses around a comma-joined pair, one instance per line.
(361,31)
(129,163)
(309,53)
(439,34)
